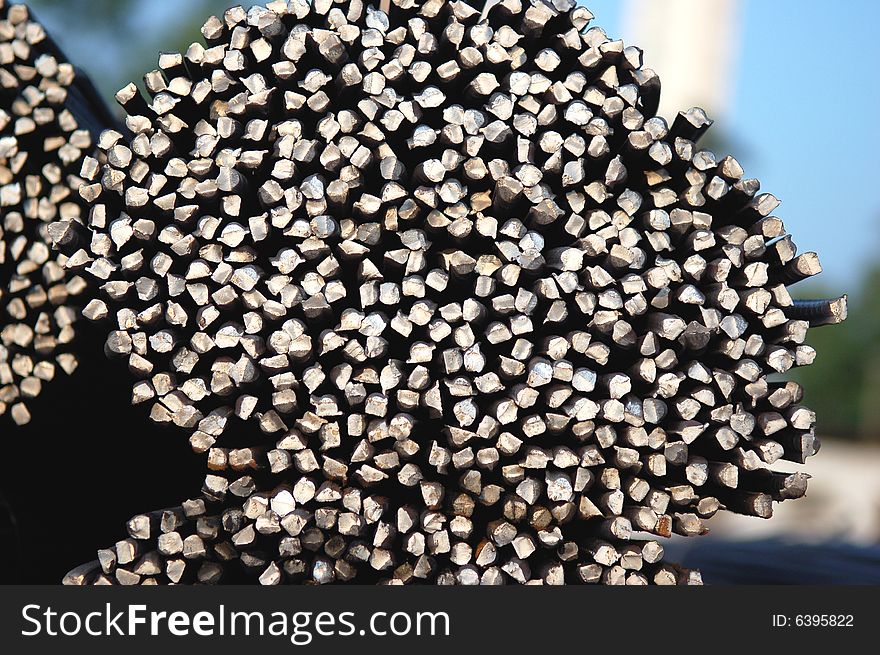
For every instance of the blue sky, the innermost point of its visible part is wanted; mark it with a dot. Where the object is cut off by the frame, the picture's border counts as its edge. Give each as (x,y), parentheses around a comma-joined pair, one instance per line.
(803,118)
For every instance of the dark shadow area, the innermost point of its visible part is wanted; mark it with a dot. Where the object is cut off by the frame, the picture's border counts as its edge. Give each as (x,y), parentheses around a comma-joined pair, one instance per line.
(86,463)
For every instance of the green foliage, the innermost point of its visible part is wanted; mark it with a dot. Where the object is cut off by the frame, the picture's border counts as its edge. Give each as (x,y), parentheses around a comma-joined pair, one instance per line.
(109,11)
(843,384)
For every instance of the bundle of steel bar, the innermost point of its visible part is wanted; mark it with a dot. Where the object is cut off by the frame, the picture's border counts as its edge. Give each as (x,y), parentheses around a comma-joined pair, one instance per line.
(440,299)
(46,111)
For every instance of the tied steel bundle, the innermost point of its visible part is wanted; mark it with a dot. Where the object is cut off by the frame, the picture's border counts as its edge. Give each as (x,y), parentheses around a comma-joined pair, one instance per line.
(440,299)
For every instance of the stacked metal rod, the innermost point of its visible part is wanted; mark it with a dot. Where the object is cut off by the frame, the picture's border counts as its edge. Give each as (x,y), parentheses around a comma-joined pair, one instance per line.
(441,299)
(207,542)
(42,146)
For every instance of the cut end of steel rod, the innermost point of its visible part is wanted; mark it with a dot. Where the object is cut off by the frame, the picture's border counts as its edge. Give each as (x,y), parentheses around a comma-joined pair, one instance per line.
(820,312)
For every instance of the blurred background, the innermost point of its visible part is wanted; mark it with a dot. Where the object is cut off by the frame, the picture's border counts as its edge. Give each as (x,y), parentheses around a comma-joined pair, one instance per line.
(792,86)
